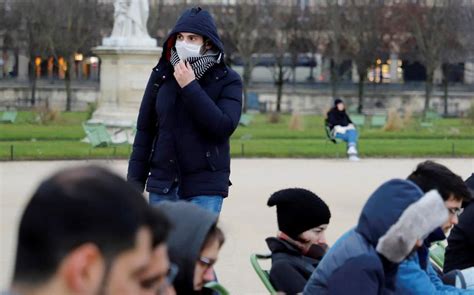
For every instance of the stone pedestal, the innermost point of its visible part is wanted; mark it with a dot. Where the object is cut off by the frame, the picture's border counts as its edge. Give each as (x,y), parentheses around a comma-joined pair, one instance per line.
(123,77)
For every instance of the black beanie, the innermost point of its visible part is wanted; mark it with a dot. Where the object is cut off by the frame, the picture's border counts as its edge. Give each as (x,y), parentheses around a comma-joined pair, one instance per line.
(337,101)
(298,210)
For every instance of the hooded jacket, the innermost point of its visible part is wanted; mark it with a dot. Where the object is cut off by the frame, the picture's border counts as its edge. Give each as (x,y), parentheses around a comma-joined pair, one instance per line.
(183,133)
(190,227)
(352,265)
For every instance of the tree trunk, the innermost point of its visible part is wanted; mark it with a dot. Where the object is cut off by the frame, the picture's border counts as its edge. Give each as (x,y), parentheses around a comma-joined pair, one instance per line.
(279,83)
(445,88)
(334,79)
(428,89)
(362,75)
(246,76)
(67,80)
(33,83)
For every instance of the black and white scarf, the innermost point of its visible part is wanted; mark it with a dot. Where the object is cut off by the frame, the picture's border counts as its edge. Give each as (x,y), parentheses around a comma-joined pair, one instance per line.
(199,64)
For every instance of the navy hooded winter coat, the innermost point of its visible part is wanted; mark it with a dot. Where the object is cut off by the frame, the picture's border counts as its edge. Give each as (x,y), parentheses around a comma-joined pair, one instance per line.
(183,134)
(352,265)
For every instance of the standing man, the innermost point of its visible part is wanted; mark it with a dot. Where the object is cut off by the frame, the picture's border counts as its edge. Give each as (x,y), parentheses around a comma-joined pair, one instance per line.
(191,106)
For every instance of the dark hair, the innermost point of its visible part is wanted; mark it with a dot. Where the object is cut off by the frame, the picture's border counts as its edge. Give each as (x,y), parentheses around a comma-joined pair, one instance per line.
(77,206)
(429,175)
(214,233)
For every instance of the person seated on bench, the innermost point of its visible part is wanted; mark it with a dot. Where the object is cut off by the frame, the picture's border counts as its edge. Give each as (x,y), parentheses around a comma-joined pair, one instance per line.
(302,220)
(342,127)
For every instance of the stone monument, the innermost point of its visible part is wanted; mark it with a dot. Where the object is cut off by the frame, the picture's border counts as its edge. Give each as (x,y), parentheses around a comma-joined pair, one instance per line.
(127,58)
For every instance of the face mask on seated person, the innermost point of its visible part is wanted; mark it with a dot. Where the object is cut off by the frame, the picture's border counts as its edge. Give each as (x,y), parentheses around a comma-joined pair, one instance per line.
(186,50)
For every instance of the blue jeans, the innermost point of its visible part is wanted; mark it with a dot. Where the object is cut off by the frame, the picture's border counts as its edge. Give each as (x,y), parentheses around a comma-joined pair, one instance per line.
(211,203)
(350,136)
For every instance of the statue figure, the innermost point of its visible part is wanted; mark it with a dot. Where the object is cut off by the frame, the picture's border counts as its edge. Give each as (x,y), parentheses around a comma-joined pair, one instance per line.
(130,19)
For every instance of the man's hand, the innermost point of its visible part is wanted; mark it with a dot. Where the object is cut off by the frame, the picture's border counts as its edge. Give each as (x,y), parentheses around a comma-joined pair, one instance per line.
(184,74)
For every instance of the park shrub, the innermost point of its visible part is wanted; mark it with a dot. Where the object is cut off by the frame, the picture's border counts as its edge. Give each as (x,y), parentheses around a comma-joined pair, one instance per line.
(274,118)
(296,122)
(45,115)
(394,121)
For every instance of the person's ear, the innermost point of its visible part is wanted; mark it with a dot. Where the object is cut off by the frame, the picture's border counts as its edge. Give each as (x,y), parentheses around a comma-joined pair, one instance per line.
(83,269)
(207,45)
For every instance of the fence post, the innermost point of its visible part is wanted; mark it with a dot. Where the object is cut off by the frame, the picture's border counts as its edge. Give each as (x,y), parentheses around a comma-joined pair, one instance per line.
(242,149)
(11,152)
(115,151)
(453,150)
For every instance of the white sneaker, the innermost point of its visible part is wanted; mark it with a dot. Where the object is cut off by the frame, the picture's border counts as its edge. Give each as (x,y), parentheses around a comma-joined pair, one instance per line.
(354,158)
(352,150)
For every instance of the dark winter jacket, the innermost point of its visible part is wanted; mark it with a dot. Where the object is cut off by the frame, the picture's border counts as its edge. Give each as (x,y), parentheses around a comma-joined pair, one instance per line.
(460,250)
(352,265)
(186,239)
(336,117)
(183,134)
(290,269)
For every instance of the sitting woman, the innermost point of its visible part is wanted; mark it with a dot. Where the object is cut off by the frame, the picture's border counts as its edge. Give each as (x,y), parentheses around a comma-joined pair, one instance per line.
(341,127)
(302,220)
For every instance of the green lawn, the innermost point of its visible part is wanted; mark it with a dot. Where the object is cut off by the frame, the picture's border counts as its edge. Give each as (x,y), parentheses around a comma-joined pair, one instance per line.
(60,139)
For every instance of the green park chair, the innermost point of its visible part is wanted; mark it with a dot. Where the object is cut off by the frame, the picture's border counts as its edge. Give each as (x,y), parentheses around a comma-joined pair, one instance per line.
(262,274)
(358,120)
(378,121)
(437,251)
(217,288)
(99,136)
(9,117)
(329,134)
(245,119)
(430,118)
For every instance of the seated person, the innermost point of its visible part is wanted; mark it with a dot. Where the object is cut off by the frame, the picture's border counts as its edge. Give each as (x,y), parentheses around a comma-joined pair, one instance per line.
(460,250)
(366,258)
(302,220)
(416,275)
(193,245)
(341,127)
(85,231)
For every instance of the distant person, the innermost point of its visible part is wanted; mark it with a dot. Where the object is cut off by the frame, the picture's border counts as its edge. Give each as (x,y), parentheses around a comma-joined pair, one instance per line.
(301,243)
(342,127)
(85,231)
(193,245)
(460,250)
(365,260)
(416,275)
(191,106)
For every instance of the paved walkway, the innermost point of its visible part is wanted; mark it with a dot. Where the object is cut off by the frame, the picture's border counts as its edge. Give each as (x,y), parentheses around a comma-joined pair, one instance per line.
(245,218)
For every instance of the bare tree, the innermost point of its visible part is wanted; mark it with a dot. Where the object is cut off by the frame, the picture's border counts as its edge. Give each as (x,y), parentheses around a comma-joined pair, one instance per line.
(277,37)
(76,30)
(32,25)
(434,26)
(241,28)
(336,48)
(363,32)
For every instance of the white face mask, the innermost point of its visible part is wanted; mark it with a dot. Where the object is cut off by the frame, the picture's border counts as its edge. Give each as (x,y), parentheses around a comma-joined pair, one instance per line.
(186,50)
